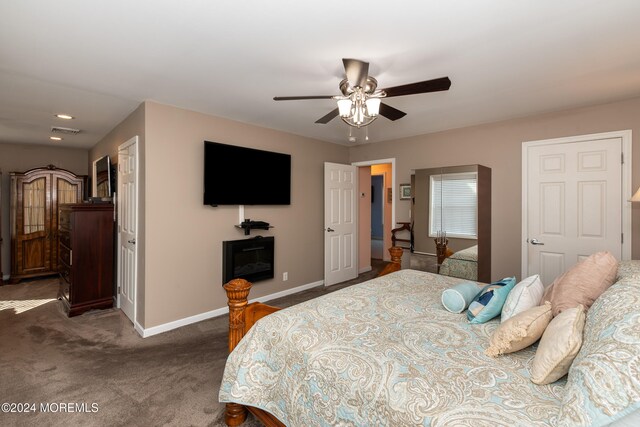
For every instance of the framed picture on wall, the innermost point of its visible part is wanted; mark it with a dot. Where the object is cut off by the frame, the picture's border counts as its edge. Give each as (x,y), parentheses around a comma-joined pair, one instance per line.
(405,191)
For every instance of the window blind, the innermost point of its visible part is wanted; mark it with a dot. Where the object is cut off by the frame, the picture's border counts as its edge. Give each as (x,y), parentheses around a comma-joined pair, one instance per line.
(453,205)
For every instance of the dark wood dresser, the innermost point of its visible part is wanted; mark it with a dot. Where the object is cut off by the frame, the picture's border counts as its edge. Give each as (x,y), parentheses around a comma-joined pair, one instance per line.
(85,252)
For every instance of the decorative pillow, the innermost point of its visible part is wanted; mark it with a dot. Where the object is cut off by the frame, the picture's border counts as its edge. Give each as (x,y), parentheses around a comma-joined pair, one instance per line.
(548,291)
(603,384)
(457,298)
(628,269)
(520,331)
(584,282)
(488,303)
(525,295)
(558,346)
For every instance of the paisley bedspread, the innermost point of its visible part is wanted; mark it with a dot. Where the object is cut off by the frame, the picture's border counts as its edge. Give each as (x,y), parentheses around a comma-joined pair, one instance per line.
(384,353)
(462,264)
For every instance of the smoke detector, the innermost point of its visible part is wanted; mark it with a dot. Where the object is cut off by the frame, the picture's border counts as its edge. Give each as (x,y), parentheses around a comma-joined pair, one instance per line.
(67,131)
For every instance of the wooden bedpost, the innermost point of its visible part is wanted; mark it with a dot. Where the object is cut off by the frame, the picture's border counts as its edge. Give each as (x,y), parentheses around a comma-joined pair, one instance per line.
(237,293)
(396,261)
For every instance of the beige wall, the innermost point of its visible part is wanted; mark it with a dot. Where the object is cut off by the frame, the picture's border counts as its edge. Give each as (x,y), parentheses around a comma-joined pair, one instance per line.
(184,237)
(20,158)
(499,146)
(133,125)
(364,217)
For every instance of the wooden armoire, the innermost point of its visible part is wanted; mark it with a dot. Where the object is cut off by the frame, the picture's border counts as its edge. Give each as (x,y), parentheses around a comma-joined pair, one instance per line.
(35,197)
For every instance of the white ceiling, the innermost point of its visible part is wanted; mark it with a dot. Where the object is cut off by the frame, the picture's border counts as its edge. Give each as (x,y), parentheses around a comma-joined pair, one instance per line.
(97,60)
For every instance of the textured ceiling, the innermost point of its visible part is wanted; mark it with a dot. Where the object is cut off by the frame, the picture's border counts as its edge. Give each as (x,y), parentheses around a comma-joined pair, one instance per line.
(97,60)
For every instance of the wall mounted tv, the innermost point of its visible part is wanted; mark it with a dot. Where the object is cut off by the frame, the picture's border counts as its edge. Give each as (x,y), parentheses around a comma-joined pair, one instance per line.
(235,175)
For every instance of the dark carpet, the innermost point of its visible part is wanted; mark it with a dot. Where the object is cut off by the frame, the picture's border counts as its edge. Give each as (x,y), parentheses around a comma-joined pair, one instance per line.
(95,370)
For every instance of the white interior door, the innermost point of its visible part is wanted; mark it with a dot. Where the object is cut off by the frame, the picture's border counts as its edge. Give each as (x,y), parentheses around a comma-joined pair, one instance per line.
(574,203)
(127,226)
(340,238)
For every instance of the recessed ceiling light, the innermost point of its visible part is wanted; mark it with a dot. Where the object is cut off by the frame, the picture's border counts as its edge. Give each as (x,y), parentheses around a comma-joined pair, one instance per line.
(55,138)
(64,116)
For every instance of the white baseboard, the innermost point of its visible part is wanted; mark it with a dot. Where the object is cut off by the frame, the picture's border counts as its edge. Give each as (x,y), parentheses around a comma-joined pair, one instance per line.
(364,270)
(288,292)
(139,329)
(155,330)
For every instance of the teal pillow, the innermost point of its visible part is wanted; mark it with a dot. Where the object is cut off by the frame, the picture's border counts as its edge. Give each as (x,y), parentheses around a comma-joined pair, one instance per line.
(488,303)
(457,298)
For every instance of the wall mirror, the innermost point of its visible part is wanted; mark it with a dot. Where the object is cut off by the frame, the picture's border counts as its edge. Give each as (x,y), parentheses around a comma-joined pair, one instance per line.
(452,219)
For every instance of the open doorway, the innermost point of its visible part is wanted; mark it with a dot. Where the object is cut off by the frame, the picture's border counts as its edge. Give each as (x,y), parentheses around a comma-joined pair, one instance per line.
(377,216)
(367,173)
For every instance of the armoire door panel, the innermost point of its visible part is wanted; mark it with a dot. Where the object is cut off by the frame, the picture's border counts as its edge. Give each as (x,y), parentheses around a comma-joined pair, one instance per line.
(36,196)
(34,255)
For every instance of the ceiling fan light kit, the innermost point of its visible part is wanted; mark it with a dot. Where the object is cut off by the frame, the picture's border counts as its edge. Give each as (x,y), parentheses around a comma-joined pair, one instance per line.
(361,102)
(359,108)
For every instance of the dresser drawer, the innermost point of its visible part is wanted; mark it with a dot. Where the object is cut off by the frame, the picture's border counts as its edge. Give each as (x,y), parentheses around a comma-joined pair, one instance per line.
(65,273)
(65,238)
(64,219)
(65,254)
(65,287)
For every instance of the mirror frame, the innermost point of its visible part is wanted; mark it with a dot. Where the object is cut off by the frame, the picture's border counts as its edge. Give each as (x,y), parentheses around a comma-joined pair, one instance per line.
(484,210)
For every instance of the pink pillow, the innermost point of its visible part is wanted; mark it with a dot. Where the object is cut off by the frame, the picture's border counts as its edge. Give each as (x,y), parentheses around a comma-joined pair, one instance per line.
(584,282)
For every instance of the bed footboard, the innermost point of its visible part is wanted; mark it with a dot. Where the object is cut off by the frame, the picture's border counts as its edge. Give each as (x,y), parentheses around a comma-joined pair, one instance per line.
(242,316)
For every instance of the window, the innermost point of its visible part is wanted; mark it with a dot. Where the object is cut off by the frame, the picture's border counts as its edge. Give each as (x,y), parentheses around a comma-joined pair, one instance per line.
(453,205)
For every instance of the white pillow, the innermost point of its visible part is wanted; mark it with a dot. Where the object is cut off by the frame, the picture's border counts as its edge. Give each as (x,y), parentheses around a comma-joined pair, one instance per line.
(525,295)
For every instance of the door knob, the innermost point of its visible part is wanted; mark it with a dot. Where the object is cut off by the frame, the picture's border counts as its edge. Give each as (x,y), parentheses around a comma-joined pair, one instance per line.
(132,241)
(330,230)
(536,242)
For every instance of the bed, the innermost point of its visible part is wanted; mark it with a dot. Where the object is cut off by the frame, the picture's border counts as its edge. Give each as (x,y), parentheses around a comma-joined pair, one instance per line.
(385,352)
(462,264)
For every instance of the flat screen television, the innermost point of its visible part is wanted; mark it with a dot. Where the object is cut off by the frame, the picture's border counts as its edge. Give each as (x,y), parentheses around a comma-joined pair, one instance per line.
(102,178)
(235,175)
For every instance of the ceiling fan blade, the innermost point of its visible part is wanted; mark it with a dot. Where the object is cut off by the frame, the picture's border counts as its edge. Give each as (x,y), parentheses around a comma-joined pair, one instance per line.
(391,113)
(326,119)
(295,98)
(356,71)
(435,85)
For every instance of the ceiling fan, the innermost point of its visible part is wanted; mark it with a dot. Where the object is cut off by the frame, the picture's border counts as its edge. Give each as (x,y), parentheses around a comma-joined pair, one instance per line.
(360,103)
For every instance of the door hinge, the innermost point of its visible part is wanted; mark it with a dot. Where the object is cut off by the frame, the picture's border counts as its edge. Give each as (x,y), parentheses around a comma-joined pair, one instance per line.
(622,158)
(622,238)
